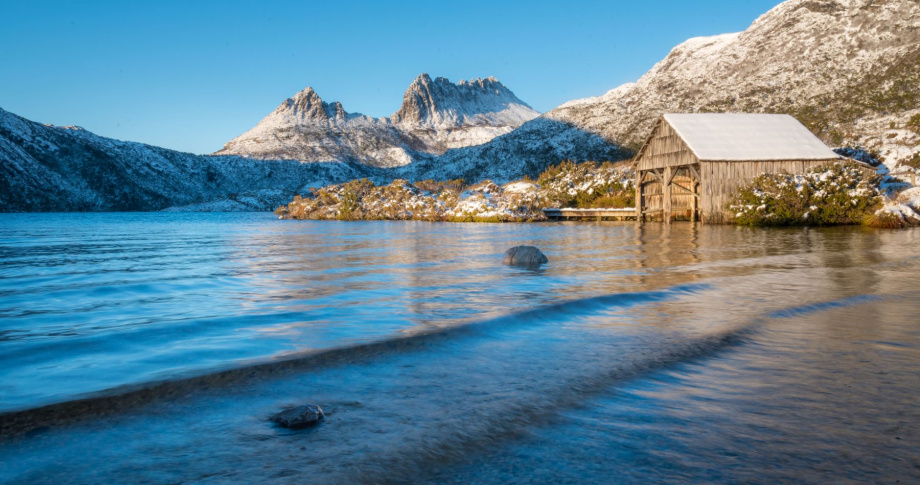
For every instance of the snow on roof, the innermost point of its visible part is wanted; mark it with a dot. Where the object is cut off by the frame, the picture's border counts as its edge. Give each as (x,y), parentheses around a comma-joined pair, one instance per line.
(748,137)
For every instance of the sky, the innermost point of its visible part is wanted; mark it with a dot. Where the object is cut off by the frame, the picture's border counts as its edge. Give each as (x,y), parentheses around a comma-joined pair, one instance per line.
(191,75)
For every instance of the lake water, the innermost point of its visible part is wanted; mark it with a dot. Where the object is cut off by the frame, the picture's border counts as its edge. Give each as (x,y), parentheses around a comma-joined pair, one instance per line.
(151,348)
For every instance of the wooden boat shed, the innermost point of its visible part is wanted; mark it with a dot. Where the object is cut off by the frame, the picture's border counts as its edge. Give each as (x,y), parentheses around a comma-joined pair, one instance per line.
(691,164)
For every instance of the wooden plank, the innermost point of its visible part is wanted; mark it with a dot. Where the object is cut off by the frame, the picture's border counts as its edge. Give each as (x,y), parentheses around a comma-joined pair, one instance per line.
(668,175)
(639,175)
(588,214)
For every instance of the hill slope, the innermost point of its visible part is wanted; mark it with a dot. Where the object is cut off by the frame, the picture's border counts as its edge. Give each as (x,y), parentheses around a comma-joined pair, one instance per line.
(848,69)
(51,168)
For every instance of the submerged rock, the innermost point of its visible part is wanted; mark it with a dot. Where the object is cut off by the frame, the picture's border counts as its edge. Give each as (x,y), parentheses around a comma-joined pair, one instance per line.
(299,417)
(525,256)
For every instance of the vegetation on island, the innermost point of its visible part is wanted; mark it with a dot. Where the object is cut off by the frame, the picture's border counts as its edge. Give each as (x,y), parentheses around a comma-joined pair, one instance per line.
(567,184)
(834,194)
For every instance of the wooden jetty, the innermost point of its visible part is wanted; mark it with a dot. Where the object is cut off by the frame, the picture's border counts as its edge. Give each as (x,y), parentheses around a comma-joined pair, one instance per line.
(590,214)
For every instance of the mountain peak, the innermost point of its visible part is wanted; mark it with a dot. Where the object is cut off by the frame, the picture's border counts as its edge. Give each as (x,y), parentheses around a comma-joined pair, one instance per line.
(440,101)
(308,106)
(436,115)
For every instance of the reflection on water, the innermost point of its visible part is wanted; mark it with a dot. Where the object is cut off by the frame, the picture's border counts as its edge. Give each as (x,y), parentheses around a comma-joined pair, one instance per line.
(640,353)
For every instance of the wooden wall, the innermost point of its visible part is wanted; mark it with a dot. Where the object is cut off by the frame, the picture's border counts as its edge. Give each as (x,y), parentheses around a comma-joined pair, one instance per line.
(652,195)
(665,149)
(682,200)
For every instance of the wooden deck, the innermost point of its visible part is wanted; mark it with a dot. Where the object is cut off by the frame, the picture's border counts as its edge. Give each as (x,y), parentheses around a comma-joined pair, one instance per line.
(590,214)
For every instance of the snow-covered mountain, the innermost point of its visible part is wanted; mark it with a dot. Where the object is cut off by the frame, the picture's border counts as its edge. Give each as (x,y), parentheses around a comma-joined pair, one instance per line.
(527,150)
(848,69)
(66,168)
(436,115)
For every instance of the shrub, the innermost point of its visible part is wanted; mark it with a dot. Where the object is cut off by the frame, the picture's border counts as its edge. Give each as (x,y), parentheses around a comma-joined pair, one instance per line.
(914,123)
(588,185)
(583,185)
(617,201)
(838,193)
(913,162)
(436,187)
(352,194)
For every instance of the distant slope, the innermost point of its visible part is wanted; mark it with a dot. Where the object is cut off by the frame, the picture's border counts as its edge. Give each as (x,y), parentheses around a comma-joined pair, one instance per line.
(526,151)
(848,69)
(50,168)
(435,116)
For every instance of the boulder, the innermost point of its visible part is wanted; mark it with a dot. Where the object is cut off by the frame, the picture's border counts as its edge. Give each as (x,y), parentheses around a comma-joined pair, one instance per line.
(525,256)
(299,417)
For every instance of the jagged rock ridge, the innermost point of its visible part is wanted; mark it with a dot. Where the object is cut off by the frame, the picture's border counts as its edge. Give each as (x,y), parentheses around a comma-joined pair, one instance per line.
(436,115)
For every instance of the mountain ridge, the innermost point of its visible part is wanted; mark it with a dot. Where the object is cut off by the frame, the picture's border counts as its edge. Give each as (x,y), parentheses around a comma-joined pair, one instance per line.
(435,115)
(67,168)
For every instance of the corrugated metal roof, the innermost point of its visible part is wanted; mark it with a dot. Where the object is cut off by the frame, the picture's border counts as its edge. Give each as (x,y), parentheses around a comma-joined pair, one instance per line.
(748,137)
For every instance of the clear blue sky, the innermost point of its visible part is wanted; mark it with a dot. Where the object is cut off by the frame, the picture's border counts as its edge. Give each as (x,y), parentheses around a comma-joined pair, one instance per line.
(191,75)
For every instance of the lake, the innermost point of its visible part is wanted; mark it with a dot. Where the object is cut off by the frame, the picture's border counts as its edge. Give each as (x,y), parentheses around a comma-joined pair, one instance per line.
(152,348)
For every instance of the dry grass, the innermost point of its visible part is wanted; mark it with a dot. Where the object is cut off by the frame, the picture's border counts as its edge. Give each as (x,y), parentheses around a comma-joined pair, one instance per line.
(885,220)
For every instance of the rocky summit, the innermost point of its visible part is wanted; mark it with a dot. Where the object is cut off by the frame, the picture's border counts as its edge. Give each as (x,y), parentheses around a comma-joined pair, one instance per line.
(435,116)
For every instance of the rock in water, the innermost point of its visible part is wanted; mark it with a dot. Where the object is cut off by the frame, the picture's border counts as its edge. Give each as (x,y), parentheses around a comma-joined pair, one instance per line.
(299,417)
(525,256)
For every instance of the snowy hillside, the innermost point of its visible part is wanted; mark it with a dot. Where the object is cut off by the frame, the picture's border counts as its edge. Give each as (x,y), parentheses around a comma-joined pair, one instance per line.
(52,168)
(848,69)
(526,151)
(436,115)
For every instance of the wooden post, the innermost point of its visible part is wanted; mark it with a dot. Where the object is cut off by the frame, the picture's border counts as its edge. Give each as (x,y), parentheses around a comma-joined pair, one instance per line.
(638,195)
(666,203)
(694,200)
(913,179)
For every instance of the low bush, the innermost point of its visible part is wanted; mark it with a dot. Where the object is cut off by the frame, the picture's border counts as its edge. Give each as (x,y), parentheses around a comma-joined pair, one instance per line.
(839,193)
(567,184)
(913,123)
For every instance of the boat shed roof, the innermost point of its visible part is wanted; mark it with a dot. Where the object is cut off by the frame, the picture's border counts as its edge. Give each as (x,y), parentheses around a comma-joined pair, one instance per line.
(748,137)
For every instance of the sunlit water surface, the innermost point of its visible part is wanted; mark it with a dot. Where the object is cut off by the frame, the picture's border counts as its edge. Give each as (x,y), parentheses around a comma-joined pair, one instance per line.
(639,354)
